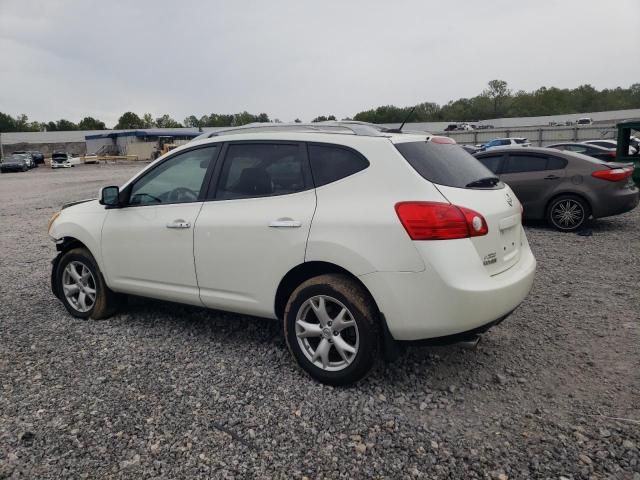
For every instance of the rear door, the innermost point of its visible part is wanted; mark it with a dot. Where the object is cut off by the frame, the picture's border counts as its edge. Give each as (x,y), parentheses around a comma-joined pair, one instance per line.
(533,177)
(254,226)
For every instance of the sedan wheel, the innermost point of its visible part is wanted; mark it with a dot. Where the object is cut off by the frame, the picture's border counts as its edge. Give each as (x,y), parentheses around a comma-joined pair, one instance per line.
(568,213)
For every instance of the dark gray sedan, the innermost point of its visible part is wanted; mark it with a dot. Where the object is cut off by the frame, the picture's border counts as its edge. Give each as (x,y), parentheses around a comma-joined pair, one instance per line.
(565,188)
(15,163)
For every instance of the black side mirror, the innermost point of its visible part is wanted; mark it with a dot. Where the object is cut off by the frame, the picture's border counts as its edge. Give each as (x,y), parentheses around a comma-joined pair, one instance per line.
(110,196)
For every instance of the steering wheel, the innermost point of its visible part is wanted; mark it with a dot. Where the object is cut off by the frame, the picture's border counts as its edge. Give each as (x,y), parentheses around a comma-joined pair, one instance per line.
(182,194)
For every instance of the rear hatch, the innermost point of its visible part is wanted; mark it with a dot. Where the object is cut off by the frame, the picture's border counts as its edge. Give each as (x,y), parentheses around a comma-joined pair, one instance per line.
(465,182)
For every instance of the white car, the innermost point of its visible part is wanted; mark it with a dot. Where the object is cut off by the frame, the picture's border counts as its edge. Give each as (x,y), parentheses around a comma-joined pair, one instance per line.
(505,142)
(353,237)
(64,160)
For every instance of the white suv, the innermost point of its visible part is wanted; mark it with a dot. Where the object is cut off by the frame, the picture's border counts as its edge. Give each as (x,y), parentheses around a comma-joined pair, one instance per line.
(355,237)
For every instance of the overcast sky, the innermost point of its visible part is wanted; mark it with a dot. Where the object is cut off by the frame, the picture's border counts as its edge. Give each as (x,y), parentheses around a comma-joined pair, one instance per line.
(295,58)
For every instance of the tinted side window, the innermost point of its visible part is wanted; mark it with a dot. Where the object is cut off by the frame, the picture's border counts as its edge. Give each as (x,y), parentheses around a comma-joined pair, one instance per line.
(492,162)
(555,163)
(177,180)
(524,163)
(330,163)
(258,170)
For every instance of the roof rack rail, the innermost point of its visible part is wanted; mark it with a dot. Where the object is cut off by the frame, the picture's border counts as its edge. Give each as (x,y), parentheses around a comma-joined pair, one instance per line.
(345,128)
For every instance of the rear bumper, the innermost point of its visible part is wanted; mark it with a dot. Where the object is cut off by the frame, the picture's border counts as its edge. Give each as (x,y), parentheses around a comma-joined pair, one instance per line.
(623,201)
(430,304)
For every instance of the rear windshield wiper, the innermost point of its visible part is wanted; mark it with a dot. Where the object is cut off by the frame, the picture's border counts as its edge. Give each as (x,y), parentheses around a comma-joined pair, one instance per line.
(484,182)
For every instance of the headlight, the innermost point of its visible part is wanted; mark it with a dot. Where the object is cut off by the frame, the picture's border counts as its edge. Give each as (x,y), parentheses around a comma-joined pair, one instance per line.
(52,219)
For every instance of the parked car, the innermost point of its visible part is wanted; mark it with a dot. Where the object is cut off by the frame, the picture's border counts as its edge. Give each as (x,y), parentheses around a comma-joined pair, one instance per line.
(563,187)
(601,153)
(38,157)
(503,142)
(584,121)
(291,225)
(610,144)
(16,162)
(451,127)
(64,160)
(484,127)
(31,163)
(469,149)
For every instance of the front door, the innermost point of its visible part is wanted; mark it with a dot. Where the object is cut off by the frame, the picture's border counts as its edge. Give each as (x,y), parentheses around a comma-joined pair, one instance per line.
(254,229)
(147,246)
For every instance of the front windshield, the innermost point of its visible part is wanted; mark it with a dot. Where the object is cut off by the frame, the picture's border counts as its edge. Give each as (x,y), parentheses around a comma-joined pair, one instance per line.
(18,158)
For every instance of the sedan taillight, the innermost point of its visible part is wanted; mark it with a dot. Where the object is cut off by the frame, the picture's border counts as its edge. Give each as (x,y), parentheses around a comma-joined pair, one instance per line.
(440,221)
(613,174)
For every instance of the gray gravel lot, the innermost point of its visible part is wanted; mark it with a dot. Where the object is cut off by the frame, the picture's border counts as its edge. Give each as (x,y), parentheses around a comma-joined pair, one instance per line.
(169,391)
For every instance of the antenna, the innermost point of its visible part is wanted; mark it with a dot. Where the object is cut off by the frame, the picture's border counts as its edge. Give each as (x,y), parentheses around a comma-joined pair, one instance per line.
(399,129)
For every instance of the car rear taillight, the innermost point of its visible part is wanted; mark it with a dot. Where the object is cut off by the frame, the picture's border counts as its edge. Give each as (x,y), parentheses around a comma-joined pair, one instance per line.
(613,174)
(612,154)
(440,221)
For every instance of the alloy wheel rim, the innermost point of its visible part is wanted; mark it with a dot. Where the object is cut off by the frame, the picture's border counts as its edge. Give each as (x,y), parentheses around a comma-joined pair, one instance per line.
(567,214)
(327,333)
(79,286)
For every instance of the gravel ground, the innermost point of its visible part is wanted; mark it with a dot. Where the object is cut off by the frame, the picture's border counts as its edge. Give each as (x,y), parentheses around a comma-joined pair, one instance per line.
(169,391)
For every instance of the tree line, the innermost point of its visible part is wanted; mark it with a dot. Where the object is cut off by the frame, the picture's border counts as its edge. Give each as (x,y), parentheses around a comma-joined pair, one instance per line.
(496,101)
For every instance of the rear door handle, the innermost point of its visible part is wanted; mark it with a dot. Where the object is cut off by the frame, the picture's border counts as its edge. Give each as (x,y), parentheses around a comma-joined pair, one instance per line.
(179,224)
(285,223)
(551,177)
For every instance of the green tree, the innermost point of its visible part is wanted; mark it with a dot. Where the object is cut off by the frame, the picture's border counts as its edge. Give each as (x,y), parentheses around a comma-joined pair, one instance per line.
(192,121)
(323,118)
(498,91)
(7,123)
(65,125)
(90,123)
(148,121)
(129,120)
(165,121)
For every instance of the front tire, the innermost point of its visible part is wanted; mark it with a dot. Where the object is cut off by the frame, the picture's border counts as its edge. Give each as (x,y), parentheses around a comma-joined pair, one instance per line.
(568,213)
(81,286)
(332,330)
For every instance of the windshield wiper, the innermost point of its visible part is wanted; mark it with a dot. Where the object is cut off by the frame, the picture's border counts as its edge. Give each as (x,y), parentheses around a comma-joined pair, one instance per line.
(483,182)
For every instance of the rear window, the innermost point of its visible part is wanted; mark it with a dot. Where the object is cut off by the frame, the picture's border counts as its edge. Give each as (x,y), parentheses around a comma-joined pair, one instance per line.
(443,164)
(521,140)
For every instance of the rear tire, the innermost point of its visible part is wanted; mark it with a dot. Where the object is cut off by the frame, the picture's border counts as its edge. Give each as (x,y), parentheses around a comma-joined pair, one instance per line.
(331,327)
(568,213)
(82,288)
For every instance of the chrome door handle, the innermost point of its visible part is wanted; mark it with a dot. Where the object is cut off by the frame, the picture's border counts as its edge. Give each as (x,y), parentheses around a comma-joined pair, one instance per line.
(551,177)
(285,223)
(179,224)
